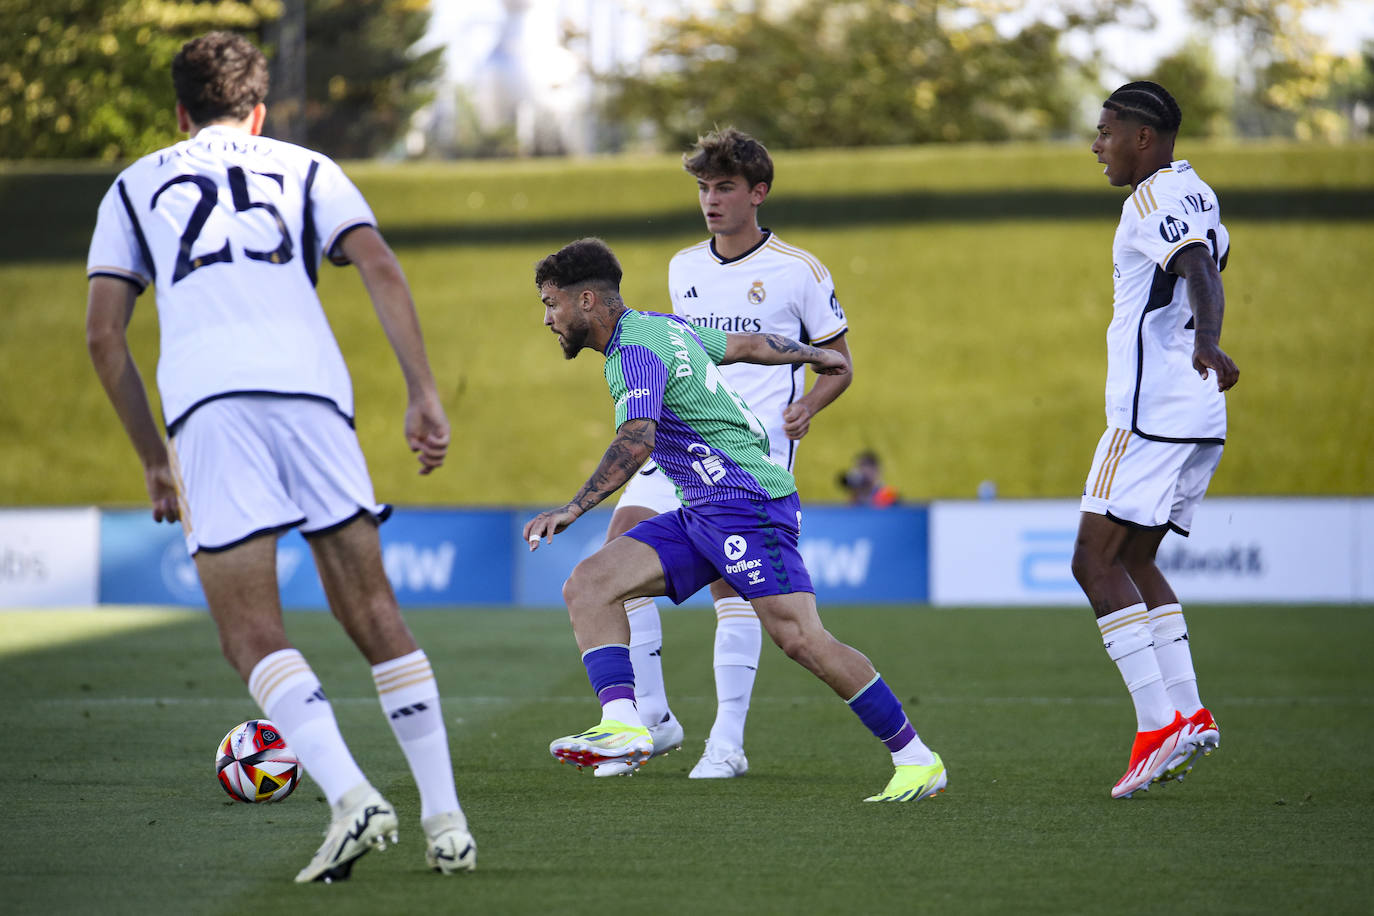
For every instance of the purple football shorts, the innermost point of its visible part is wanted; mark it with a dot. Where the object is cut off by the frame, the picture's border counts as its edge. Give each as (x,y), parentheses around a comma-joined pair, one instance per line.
(751,544)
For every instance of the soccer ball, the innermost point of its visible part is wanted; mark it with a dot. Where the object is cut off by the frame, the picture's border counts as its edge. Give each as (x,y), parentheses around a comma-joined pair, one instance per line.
(255,765)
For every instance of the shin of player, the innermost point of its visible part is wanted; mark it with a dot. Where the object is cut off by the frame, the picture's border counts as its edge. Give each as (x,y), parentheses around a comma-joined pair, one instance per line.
(1166,424)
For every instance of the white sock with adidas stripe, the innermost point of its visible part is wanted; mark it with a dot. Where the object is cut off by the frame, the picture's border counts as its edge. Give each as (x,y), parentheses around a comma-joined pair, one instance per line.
(1126,637)
(410,700)
(289,694)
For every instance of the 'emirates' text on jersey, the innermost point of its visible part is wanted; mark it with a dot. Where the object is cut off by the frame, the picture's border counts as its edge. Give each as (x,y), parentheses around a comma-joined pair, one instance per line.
(773,288)
(707,440)
(231,229)
(1152,388)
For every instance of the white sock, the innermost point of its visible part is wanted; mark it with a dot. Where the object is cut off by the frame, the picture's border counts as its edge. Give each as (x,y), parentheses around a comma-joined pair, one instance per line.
(410,700)
(1175,657)
(1126,637)
(739,640)
(646,654)
(915,753)
(289,694)
(621,710)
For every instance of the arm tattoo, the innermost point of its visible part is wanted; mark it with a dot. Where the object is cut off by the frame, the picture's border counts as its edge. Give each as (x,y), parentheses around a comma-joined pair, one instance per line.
(788,347)
(633,444)
(1205,292)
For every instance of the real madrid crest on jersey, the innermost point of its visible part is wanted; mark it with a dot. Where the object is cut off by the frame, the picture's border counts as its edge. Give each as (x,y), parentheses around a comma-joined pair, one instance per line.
(756,293)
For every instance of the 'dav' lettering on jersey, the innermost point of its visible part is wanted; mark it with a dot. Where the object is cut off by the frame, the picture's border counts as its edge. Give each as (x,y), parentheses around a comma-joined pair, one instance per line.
(681,354)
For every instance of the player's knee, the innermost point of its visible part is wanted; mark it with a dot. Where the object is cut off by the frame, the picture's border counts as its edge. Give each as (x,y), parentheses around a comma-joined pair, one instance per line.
(797,645)
(1137,567)
(1086,565)
(581,586)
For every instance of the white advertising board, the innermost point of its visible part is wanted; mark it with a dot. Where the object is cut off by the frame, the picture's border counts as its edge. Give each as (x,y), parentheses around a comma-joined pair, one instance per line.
(1241,550)
(1363,550)
(49,557)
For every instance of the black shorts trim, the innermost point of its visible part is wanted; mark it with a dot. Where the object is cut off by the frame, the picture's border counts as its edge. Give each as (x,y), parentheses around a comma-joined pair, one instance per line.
(175,424)
(1196,440)
(1136,525)
(376,517)
(276,530)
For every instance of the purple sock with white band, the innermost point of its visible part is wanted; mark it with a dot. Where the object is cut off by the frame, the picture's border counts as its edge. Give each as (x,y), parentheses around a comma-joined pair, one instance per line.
(878,708)
(611,672)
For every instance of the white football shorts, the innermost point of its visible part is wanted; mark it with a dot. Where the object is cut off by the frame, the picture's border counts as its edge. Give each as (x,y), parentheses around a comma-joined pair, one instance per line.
(1149,484)
(252,464)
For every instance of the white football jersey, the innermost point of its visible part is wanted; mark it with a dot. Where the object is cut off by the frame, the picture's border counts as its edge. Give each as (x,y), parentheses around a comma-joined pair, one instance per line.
(773,288)
(1152,388)
(231,228)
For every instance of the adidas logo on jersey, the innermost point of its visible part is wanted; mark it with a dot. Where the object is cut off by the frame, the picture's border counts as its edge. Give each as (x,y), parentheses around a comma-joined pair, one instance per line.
(690,294)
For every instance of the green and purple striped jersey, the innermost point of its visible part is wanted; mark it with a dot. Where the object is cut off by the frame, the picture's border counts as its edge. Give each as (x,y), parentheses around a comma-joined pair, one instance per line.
(707,441)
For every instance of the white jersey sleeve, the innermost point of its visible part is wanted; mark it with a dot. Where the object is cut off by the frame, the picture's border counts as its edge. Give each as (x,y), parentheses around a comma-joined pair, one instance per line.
(118,248)
(818,307)
(338,206)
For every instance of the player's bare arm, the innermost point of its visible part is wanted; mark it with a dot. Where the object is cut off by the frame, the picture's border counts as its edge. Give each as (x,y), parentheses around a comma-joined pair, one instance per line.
(109,306)
(631,447)
(426,425)
(776,350)
(796,417)
(1208,300)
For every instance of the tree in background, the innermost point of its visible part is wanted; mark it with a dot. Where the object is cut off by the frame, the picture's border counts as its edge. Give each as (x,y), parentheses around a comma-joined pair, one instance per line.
(1206,97)
(83,79)
(1288,82)
(362,83)
(861,72)
(89,78)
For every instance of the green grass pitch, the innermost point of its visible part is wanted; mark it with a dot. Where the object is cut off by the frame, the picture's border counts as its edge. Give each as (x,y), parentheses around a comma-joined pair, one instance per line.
(111,719)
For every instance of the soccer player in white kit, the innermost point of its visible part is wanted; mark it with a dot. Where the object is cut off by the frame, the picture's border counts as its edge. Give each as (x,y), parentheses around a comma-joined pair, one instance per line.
(230,228)
(1166,424)
(744,279)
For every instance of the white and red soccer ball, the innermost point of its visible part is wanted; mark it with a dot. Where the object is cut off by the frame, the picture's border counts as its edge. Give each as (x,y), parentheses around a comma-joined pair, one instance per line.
(255,765)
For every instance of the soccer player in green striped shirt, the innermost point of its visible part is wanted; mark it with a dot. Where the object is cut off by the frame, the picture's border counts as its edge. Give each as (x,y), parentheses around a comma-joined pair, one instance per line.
(739,521)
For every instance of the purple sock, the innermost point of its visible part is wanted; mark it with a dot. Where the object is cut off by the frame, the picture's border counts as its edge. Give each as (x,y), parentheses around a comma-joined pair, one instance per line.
(611,672)
(878,708)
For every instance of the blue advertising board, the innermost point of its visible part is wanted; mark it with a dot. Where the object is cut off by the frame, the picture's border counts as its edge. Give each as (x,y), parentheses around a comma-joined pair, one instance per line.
(854,555)
(432,557)
(447,557)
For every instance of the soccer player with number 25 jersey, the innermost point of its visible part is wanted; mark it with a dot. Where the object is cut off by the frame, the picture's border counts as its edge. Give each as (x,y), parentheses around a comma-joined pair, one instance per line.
(229,227)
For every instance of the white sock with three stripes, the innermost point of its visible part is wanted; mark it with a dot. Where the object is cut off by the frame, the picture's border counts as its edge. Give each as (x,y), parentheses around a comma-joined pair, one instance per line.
(410,700)
(1127,639)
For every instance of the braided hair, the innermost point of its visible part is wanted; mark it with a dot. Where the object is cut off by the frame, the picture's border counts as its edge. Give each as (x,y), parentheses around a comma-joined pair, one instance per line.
(1146,102)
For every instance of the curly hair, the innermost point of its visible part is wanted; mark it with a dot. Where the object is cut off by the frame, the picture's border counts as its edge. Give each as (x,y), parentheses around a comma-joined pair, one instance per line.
(586,262)
(727,151)
(1148,103)
(219,76)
